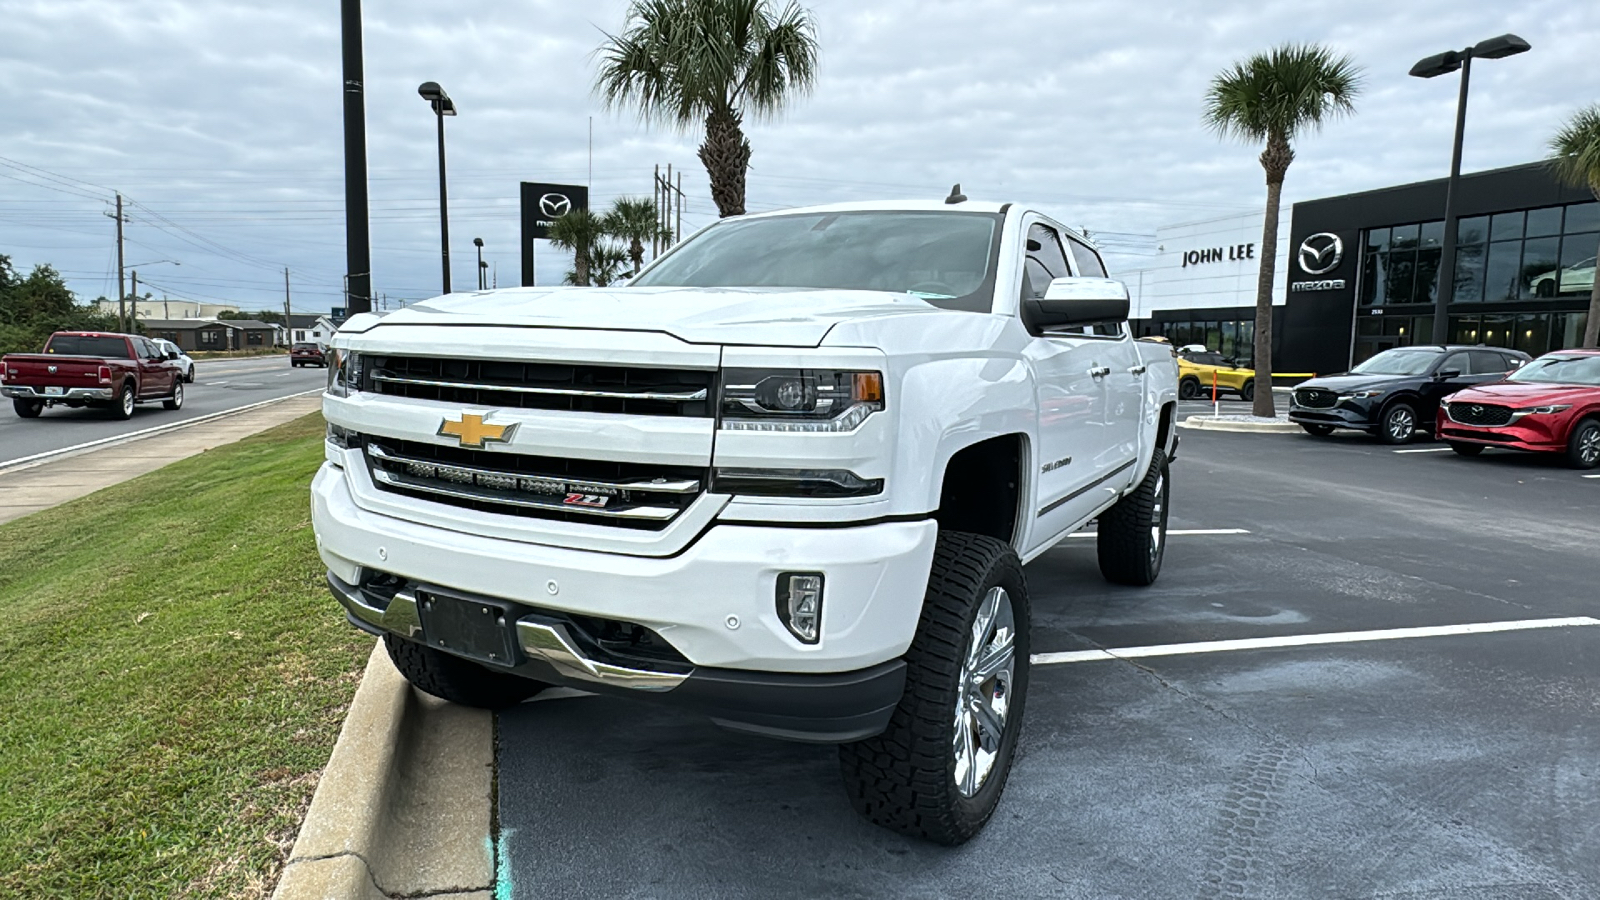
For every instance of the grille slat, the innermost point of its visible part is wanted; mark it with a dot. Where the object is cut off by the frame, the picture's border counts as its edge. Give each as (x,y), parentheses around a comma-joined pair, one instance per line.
(513,384)
(630,495)
(1481,414)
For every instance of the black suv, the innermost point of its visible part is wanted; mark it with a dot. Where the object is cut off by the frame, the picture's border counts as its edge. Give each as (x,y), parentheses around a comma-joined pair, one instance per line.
(1396,393)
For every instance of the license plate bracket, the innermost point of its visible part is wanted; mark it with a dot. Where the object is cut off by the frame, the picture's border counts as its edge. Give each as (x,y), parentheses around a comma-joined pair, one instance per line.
(54,391)
(481,630)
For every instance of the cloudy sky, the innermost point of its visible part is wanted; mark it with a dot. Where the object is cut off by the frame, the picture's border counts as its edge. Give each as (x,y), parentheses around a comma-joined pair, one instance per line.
(221,120)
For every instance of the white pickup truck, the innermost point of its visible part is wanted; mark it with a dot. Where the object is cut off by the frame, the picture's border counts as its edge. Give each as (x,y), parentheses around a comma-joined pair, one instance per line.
(787,478)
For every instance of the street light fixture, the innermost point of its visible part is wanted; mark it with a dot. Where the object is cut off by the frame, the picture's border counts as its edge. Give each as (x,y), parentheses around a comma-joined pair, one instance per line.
(133,309)
(478,242)
(442,106)
(1432,67)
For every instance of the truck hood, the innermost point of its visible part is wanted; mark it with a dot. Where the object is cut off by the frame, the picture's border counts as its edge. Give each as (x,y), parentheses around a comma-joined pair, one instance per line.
(765,316)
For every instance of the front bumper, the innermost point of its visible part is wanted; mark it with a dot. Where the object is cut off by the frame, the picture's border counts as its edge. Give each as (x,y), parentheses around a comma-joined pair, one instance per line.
(28,392)
(1356,414)
(1540,434)
(551,648)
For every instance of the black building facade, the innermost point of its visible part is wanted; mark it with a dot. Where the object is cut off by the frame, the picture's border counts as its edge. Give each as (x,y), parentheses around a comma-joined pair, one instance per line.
(1364,268)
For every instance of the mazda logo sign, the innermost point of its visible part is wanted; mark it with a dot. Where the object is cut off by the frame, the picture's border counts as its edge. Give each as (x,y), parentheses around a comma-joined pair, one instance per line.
(555,205)
(1321,253)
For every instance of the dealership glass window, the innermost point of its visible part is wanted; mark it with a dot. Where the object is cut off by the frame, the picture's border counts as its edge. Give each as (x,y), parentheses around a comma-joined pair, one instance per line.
(1544,222)
(1377,239)
(1496,329)
(1540,258)
(1464,329)
(1501,277)
(1470,259)
(1432,234)
(1426,285)
(1567,329)
(1506,226)
(1577,264)
(1532,333)
(1582,217)
(1472,231)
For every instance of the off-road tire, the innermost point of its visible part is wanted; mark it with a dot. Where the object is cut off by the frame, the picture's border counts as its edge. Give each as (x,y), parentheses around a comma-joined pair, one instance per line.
(904,778)
(1188,389)
(1318,430)
(1387,423)
(1583,445)
(176,401)
(28,409)
(1466,449)
(120,407)
(455,679)
(1132,535)
(1248,392)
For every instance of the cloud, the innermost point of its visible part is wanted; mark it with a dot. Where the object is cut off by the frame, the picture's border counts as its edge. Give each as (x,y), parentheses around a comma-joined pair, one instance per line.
(224,119)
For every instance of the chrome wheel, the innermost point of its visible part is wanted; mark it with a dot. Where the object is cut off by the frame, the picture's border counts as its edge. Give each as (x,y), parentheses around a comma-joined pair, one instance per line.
(127,402)
(1402,423)
(1158,517)
(1589,447)
(983,699)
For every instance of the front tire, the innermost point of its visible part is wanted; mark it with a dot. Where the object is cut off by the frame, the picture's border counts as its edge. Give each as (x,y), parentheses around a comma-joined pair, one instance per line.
(1318,430)
(1466,449)
(176,402)
(457,680)
(27,409)
(1132,535)
(938,770)
(1583,446)
(1399,423)
(1188,389)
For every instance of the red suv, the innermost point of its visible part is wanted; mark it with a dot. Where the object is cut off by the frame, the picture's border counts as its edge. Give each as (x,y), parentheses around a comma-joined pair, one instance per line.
(307,355)
(1550,405)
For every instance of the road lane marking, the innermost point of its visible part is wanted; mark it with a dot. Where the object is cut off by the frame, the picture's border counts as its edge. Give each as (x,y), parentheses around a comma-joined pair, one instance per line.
(283,374)
(1185,532)
(24,462)
(1591,476)
(1426,450)
(213,383)
(1305,640)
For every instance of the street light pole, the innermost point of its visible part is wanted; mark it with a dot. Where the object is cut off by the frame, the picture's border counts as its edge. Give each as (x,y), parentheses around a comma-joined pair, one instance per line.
(478,242)
(1431,67)
(442,106)
(357,243)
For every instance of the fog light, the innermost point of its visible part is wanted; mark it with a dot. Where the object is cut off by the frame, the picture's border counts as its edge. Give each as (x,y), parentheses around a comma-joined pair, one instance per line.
(800,604)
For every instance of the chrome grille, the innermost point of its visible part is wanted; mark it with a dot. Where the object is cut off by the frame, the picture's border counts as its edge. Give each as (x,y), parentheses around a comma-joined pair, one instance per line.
(1481,414)
(541,385)
(1315,398)
(612,493)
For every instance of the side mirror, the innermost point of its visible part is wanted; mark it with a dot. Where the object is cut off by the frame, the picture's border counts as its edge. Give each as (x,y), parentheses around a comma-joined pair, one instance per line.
(1077,301)
(1446,374)
(172,354)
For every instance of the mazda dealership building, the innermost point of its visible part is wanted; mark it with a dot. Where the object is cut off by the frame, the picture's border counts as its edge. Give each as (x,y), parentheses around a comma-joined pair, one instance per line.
(1359,273)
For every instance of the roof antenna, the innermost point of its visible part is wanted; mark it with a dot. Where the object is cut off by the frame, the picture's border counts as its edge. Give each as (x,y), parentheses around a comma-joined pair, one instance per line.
(955,194)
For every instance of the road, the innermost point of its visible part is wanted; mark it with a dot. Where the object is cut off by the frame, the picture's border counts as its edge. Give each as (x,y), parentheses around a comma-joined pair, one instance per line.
(1458,765)
(220,384)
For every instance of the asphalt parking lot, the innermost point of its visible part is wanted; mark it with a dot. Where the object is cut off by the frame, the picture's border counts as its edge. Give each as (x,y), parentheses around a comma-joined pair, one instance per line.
(1454,765)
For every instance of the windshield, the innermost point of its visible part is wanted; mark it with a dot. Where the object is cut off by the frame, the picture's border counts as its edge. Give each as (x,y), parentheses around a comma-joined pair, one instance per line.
(1560,370)
(946,258)
(1403,361)
(86,345)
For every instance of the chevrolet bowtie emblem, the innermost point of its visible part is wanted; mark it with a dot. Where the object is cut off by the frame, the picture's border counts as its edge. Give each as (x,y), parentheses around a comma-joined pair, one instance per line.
(472,431)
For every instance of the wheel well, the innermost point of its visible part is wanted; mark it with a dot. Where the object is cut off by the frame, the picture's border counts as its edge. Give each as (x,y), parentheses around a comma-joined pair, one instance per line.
(1169,415)
(982,488)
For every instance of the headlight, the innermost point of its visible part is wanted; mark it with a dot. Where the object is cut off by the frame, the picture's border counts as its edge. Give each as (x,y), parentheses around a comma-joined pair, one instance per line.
(803,400)
(1361,395)
(344,372)
(1538,411)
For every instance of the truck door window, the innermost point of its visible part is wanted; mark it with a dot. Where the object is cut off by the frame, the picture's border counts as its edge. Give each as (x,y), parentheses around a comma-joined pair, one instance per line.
(1045,262)
(1089,264)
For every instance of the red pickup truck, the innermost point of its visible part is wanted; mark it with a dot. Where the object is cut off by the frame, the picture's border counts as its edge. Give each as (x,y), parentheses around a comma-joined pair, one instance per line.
(90,368)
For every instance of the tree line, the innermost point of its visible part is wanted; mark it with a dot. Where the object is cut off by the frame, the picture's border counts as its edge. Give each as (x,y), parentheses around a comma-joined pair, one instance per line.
(37,305)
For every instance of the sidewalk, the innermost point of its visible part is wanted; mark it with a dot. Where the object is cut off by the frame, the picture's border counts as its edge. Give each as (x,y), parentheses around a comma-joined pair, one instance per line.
(47,483)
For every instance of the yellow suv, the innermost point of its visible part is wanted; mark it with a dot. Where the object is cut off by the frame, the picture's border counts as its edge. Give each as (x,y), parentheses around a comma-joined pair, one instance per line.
(1196,367)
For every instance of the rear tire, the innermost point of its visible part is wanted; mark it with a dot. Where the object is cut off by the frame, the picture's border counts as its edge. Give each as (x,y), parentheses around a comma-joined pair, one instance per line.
(122,407)
(27,409)
(931,774)
(1583,446)
(1132,535)
(1318,430)
(1248,392)
(455,679)
(177,396)
(1398,424)
(1466,449)
(1188,389)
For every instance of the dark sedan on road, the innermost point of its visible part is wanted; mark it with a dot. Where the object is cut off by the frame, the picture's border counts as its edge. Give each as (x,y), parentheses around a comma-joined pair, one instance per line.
(1551,405)
(1396,394)
(306,355)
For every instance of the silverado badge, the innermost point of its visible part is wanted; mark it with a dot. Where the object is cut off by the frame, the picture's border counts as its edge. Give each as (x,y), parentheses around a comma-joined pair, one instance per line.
(472,431)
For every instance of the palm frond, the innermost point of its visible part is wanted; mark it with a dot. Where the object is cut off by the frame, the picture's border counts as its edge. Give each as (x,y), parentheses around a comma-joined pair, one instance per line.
(1576,146)
(1277,95)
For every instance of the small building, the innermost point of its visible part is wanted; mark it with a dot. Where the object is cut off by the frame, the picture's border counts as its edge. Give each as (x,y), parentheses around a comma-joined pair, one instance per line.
(213,334)
(307,328)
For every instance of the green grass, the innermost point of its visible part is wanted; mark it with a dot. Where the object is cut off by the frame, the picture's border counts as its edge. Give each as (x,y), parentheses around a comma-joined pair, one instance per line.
(173,675)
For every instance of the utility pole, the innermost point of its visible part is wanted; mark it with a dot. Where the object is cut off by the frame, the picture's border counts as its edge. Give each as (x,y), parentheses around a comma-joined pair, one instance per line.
(677,234)
(288,335)
(357,240)
(134,303)
(656,198)
(122,294)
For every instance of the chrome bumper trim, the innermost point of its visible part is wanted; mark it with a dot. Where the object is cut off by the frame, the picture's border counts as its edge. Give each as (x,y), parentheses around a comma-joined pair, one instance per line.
(672,396)
(682,486)
(27,392)
(646,513)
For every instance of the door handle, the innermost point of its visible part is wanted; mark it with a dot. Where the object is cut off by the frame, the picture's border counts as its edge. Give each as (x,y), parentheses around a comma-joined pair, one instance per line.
(1100,371)
(1138,370)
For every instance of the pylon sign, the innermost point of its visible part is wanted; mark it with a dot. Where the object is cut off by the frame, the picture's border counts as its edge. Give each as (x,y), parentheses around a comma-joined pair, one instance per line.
(542,205)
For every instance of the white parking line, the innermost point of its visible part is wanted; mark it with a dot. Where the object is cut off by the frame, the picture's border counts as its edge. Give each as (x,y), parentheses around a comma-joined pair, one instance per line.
(1591,476)
(1176,532)
(1305,640)
(1426,450)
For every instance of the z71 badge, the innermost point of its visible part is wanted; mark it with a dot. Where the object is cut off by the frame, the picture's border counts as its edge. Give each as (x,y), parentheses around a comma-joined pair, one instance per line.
(595,500)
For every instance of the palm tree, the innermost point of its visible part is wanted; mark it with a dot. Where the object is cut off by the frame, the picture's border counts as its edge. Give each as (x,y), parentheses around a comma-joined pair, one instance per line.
(606,263)
(1272,98)
(634,220)
(710,62)
(1577,161)
(578,231)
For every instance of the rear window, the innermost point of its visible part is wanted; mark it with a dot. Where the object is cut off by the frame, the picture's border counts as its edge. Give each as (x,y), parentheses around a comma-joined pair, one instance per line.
(305,346)
(88,345)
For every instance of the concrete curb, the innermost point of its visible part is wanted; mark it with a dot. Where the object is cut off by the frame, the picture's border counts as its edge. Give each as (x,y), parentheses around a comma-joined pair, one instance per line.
(1206,423)
(403,807)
